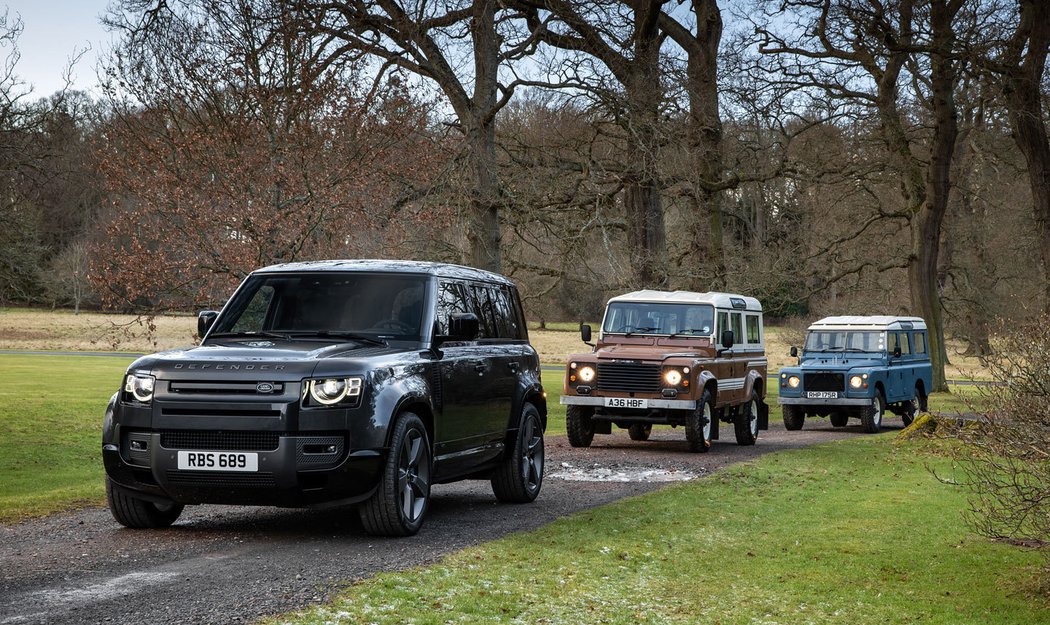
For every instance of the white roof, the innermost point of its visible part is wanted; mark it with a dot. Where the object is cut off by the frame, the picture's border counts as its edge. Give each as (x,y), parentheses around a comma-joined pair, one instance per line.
(871,322)
(718,300)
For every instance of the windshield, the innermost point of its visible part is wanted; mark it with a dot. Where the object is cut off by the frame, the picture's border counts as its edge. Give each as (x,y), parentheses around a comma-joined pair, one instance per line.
(632,318)
(328,304)
(841,340)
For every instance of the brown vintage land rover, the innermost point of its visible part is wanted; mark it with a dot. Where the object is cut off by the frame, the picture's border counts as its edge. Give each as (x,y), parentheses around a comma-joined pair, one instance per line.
(657,361)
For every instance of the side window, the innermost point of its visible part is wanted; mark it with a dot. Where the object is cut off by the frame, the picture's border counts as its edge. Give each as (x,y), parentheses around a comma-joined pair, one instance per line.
(738,327)
(506,313)
(254,315)
(451,299)
(754,335)
(919,342)
(483,308)
(891,342)
(723,324)
(905,345)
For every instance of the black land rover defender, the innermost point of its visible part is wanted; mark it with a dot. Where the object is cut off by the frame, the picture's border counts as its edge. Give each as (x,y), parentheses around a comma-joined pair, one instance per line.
(336,382)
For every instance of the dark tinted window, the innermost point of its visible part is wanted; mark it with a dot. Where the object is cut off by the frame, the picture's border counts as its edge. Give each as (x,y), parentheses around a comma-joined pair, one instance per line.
(387,306)
(451,299)
(484,308)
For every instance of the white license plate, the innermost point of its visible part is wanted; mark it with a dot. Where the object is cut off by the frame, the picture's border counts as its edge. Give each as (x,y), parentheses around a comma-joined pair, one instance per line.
(626,402)
(821,395)
(218,461)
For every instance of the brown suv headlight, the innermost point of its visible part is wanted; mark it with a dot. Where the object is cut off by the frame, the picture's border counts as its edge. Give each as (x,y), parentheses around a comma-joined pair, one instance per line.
(581,373)
(331,391)
(677,376)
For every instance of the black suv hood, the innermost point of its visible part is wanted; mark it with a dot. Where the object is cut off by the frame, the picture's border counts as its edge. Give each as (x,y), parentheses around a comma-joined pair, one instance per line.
(288,360)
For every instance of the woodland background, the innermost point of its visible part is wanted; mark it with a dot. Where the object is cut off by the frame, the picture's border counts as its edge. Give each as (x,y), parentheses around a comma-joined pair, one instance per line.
(825,156)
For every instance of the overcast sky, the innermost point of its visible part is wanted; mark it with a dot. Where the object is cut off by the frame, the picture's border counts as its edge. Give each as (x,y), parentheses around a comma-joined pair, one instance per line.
(54,30)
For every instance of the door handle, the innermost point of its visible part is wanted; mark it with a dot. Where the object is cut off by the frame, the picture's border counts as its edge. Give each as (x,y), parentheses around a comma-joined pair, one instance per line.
(479,367)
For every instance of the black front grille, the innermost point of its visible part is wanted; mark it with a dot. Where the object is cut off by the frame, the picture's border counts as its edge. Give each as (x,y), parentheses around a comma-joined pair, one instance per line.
(184,387)
(628,377)
(220,441)
(824,382)
(222,480)
(207,411)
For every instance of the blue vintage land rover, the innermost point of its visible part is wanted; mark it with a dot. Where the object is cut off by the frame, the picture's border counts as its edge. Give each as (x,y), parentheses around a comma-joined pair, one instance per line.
(858,367)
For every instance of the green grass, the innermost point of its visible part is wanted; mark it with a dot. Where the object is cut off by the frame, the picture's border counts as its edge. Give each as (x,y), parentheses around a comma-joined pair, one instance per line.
(51,410)
(856,532)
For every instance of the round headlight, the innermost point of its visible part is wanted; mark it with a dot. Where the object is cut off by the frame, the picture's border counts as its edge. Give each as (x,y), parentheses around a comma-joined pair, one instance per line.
(329,391)
(856,381)
(140,386)
(673,377)
(586,374)
(793,381)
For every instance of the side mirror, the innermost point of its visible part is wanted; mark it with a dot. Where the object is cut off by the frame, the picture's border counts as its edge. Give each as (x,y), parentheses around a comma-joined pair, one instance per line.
(794,352)
(205,319)
(897,352)
(463,326)
(585,332)
(728,340)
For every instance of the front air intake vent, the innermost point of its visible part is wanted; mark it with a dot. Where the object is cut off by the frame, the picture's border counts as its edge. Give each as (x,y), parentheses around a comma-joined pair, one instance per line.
(628,377)
(220,441)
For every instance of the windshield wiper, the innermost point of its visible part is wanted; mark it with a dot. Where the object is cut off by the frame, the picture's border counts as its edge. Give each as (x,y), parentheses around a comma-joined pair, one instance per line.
(261,333)
(691,331)
(339,334)
(645,329)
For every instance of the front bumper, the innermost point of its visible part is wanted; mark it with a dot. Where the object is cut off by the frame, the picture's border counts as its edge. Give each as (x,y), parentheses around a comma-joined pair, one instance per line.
(288,475)
(658,404)
(837,401)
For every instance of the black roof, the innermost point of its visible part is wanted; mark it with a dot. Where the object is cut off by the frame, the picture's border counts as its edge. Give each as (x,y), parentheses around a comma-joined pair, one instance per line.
(443,270)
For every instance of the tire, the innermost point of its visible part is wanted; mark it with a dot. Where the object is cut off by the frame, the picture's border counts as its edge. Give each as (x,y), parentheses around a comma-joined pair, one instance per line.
(400,502)
(871,415)
(746,422)
(578,426)
(130,511)
(698,425)
(839,419)
(912,408)
(640,431)
(794,417)
(519,477)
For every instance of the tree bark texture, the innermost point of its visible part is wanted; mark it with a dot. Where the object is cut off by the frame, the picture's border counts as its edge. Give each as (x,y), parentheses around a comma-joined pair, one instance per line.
(1023,79)
(704,140)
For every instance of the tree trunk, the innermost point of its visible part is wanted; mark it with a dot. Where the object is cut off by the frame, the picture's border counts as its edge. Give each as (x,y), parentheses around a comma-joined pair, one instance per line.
(926,226)
(706,267)
(647,236)
(1022,88)
(483,227)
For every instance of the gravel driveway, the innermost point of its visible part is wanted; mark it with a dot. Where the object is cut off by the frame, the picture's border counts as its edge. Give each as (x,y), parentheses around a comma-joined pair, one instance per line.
(235,564)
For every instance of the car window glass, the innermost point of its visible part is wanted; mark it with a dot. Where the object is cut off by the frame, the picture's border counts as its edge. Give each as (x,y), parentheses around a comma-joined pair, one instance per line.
(254,316)
(723,323)
(919,340)
(891,343)
(482,305)
(738,330)
(905,347)
(753,335)
(506,321)
(450,300)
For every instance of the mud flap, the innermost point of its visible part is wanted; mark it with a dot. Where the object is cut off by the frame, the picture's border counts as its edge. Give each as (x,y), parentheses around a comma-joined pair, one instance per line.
(763,415)
(714,428)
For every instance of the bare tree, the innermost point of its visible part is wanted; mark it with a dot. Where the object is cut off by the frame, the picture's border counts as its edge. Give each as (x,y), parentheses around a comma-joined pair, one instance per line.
(621,43)
(864,53)
(234,142)
(428,40)
(1021,66)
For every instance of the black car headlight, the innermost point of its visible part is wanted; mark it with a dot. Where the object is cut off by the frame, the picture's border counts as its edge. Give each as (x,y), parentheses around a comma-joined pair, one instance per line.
(331,391)
(139,386)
